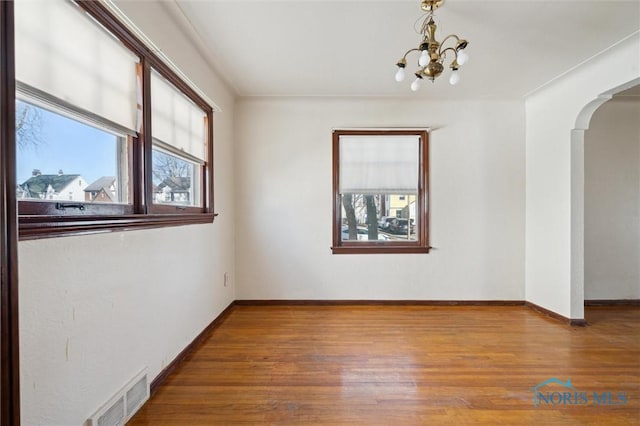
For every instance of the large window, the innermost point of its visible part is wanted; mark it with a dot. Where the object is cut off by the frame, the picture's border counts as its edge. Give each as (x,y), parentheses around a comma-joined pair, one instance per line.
(380,191)
(62,159)
(108,136)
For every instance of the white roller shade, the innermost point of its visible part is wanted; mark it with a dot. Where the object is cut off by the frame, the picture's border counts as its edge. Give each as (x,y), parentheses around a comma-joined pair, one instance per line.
(176,120)
(64,53)
(379,164)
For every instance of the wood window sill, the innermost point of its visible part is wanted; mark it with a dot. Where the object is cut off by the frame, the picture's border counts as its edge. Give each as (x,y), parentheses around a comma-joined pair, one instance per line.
(36,227)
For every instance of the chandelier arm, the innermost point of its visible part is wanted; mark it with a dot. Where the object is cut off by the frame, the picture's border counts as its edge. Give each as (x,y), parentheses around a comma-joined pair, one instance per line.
(443,52)
(448,37)
(409,51)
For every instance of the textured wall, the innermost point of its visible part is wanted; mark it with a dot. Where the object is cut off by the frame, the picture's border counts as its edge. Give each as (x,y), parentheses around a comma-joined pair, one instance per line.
(556,116)
(95,310)
(283,202)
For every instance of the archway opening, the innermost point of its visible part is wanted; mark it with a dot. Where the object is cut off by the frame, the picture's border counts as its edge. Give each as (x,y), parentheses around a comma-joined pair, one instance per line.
(606,201)
(612,201)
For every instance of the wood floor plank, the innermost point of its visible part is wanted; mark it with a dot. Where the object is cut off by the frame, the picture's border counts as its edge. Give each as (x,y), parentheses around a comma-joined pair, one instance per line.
(405,365)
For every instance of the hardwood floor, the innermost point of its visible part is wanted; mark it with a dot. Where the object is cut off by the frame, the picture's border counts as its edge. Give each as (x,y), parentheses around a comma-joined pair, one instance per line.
(405,365)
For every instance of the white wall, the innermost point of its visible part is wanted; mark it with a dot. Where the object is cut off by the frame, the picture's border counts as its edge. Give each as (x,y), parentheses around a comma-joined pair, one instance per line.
(283,202)
(94,310)
(612,201)
(554,196)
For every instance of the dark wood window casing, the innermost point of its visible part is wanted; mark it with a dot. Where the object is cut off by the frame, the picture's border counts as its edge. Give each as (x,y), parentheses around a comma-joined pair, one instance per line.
(421,244)
(9,330)
(39,219)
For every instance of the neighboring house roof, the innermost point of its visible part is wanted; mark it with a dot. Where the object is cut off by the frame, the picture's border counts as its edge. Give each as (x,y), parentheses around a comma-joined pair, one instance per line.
(177,184)
(39,184)
(22,192)
(101,195)
(105,182)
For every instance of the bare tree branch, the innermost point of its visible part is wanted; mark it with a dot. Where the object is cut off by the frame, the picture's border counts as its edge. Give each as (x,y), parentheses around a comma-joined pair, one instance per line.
(166,167)
(28,126)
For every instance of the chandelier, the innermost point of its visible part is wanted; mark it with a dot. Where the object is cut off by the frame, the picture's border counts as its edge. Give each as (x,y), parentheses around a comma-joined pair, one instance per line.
(433,52)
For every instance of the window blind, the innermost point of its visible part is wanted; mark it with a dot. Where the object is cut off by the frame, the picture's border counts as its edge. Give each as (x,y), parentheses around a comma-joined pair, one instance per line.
(62,52)
(379,164)
(176,120)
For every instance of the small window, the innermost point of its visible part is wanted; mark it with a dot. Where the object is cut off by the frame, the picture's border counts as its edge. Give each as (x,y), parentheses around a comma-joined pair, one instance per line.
(179,147)
(176,181)
(380,191)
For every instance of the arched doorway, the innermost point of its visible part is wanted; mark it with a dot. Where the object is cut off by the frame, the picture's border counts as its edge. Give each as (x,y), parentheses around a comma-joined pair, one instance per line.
(612,201)
(578,194)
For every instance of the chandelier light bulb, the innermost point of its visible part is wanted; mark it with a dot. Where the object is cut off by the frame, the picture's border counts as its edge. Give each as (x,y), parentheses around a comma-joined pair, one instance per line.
(415,85)
(463,57)
(455,78)
(400,75)
(424,58)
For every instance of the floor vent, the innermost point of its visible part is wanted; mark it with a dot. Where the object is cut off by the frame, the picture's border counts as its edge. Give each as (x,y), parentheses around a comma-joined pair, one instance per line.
(124,404)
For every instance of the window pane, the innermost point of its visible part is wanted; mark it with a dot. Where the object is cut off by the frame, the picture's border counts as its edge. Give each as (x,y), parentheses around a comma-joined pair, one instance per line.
(59,158)
(393,217)
(176,180)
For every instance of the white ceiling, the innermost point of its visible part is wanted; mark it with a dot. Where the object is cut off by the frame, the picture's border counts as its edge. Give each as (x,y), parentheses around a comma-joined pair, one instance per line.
(350,47)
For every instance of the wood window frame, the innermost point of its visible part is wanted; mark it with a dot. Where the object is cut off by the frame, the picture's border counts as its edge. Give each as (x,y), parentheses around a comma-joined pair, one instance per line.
(42,220)
(366,247)
(9,330)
